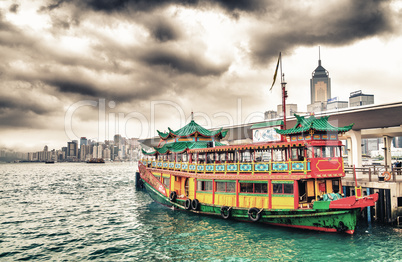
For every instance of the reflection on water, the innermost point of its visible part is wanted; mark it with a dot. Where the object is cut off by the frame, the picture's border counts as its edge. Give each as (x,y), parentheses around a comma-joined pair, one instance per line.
(78,211)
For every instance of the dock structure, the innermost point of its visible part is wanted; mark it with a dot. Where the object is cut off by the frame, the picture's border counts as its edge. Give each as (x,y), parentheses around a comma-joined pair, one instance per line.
(372,179)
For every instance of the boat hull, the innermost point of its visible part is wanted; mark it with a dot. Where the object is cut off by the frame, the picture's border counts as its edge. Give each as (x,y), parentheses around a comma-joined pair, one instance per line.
(311,219)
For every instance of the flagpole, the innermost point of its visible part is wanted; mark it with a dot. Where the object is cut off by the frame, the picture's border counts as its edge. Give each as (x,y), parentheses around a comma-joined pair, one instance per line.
(284,93)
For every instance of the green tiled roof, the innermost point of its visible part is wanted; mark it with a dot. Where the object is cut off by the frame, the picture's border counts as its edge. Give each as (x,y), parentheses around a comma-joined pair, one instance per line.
(318,124)
(191,129)
(179,147)
(267,124)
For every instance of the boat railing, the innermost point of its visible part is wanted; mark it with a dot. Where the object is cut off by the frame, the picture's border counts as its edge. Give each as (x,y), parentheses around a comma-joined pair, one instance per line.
(233,167)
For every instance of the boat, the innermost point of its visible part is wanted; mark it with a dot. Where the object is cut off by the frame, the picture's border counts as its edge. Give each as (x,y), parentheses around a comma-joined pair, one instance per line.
(286,177)
(49,162)
(96,161)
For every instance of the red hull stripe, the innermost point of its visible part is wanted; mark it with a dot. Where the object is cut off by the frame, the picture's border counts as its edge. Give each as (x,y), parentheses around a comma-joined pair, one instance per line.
(324,229)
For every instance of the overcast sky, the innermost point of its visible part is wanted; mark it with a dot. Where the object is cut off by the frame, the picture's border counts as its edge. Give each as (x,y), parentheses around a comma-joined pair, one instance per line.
(93,68)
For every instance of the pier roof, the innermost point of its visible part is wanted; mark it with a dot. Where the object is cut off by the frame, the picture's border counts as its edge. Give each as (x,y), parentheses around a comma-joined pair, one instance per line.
(312,123)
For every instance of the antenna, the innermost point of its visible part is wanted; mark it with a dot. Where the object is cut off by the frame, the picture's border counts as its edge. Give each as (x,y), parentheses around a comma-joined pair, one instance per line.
(319,55)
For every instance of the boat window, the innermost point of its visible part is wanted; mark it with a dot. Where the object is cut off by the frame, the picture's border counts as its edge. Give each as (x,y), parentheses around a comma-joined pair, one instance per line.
(263,156)
(166,182)
(279,155)
(297,154)
(309,152)
(317,151)
(246,156)
(258,188)
(335,186)
(282,188)
(288,188)
(337,151)
(327,151)
(204,185)
(201,158)
(229,187)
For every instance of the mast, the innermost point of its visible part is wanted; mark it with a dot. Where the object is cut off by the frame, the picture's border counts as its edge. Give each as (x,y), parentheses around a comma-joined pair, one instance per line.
(284,95)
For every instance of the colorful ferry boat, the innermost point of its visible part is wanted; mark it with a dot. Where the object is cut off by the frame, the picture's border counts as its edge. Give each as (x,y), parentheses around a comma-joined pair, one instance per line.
(292,178)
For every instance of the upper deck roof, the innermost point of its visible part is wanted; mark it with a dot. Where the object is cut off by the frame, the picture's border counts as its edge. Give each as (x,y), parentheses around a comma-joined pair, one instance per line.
(304,125)
(192,129)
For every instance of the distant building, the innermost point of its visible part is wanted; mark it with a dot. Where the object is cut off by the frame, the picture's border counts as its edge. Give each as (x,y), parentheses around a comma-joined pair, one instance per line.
(106,154)
(334,104)
(271,114)
(72,149)
(357,98)
(290,110)
(83,141)
(320,84)
(117,140)
(317,107)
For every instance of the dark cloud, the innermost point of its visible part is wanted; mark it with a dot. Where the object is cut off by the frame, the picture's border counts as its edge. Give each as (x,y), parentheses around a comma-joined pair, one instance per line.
(163,30)
(14,8)
(74,86)
(335,25)
(110,6)
(22,104)
(182,61)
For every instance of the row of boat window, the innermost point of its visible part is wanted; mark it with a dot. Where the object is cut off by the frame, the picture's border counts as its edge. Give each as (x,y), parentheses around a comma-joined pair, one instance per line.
(245,187)
(280,154)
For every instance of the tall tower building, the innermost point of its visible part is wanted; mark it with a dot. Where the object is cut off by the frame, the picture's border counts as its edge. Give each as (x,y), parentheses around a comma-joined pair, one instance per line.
(320,83)
(83,141)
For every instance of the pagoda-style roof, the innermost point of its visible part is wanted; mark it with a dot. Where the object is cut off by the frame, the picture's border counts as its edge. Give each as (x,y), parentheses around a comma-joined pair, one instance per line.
(312,123)
(192,129)
(179,147)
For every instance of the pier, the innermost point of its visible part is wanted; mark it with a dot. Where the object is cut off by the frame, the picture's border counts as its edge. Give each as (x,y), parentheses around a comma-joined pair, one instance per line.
(388,208)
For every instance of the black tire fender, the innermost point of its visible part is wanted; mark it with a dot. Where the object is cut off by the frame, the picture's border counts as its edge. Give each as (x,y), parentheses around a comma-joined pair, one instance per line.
(195,204)
(226,212)
(187,204)
(254,214)
(173,196)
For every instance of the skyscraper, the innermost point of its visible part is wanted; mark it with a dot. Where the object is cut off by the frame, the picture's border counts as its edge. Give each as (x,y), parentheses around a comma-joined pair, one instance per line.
(83,141)
(320,84)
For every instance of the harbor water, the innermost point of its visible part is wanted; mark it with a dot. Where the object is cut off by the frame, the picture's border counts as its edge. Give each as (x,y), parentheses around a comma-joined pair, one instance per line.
(79,211)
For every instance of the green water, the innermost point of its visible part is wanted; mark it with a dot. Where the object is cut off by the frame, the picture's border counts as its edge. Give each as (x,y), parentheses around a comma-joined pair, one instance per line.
(77,212)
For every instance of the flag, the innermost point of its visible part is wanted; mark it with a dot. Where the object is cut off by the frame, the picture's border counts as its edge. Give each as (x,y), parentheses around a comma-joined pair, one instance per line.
(276,71)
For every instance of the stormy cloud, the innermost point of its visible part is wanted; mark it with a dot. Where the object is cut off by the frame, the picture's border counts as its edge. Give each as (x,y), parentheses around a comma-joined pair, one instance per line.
(200,55)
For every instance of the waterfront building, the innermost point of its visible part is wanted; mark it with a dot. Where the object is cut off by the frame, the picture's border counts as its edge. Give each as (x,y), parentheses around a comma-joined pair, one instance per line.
(291,109)
(357,98)
(106,154)
(83,141)
(334,104)
(72,149)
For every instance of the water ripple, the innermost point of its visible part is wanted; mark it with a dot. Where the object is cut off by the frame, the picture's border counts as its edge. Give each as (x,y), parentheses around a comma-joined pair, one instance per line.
(76,211)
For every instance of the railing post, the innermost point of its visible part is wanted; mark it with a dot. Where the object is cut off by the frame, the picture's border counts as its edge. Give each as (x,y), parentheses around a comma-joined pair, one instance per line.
(290,166)
(270,166)
(394,175)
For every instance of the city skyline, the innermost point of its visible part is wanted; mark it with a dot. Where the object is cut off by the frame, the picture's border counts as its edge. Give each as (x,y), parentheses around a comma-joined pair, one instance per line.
(120,148)
(96,68)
